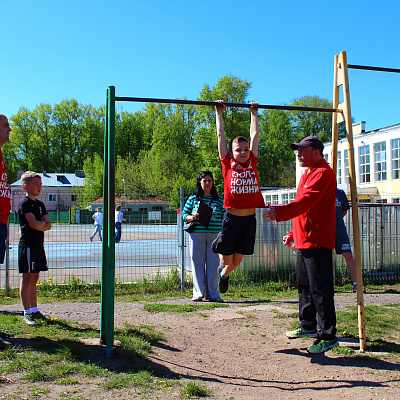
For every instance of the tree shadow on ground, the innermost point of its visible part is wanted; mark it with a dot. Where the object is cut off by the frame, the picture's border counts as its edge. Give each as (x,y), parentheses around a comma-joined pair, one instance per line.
(285,385)
(364,361)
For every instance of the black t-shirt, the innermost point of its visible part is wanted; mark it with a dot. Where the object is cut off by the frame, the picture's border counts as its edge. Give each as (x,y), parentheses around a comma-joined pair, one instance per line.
(29,236)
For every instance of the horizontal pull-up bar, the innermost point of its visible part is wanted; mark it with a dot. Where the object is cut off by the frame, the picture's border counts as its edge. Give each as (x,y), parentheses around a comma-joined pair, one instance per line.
(373,68)
(213,104)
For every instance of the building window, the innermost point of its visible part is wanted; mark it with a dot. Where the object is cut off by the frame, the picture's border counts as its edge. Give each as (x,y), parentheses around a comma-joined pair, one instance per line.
(339,168)
(292,196)
(73,197)
(380,161)
(365,175)
(52,198)
(275,199)
(326,156)
(346,166)
(157,208)
(396,159)
(396,200)
(268,199)
(285,198)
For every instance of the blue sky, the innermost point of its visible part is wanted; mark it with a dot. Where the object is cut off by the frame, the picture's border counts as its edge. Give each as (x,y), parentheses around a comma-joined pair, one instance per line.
(64,49)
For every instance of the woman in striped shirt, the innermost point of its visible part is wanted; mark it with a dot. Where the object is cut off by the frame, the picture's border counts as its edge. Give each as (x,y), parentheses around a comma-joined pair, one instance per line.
(204,261)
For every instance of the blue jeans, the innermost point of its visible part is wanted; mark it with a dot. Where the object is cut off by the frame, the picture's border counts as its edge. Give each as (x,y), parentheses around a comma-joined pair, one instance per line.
(118,232)
(97,230)
(204,265)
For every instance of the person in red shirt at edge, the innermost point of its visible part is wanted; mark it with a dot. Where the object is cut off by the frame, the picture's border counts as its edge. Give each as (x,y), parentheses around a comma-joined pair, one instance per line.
(242,196)
(5,199)
(314,224)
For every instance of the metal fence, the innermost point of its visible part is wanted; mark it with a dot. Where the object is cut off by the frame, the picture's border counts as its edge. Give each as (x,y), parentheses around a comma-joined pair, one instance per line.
(152,246)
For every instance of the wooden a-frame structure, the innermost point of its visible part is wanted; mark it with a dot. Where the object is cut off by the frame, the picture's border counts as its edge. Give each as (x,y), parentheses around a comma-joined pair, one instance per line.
(341,79)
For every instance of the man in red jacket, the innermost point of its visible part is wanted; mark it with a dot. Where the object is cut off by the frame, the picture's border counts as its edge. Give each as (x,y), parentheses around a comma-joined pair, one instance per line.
(5,199)
(313,213)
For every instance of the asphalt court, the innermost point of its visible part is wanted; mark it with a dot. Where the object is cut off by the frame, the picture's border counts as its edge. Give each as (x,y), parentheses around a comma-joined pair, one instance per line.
(144,251)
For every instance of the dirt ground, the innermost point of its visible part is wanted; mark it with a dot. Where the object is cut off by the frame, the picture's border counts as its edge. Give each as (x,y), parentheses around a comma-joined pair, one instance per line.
(239,352)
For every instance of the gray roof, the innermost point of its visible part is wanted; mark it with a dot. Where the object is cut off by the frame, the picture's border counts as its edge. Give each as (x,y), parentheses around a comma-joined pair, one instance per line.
(58,179)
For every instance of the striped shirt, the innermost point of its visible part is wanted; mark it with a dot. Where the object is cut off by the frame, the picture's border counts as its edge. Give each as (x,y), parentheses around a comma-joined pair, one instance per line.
(191,206)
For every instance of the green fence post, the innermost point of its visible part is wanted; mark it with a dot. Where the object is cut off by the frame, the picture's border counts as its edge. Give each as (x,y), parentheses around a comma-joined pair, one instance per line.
(182,233)
(108,259)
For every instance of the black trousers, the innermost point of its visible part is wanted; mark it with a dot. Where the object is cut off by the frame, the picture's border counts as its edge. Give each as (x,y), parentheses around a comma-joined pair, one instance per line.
(316,291)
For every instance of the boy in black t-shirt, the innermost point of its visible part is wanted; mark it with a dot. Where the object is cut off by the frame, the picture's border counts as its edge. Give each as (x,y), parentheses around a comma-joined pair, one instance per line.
(33,220)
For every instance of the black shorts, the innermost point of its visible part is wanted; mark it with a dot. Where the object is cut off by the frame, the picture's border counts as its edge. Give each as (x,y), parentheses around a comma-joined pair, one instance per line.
(31,259)
(3,238)
(342,243)
(238,235)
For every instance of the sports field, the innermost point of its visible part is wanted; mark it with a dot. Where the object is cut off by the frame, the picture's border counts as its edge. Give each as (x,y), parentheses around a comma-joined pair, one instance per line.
(143,251)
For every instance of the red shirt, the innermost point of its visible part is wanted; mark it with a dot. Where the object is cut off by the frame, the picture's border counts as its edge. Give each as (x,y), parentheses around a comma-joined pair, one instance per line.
(241,185)
(5,195)
(313,211)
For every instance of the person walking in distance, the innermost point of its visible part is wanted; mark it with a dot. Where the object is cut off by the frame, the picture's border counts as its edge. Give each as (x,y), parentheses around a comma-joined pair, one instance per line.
(118,222)
(98,222)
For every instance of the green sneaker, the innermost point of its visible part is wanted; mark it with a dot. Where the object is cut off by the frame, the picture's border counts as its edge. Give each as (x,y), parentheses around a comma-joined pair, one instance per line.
(29,320)
(322,345)
(300,333)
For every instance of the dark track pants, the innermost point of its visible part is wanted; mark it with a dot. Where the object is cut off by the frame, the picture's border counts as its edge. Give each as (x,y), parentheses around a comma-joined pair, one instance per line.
(316,291)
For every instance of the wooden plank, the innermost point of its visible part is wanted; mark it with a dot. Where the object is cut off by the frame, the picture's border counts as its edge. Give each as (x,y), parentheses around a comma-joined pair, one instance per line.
(354,202)
(339,74)
(335,127)
(341,116)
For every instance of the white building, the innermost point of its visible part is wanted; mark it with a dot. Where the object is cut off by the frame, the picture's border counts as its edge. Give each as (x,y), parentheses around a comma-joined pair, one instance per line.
(377,164)
(58,190)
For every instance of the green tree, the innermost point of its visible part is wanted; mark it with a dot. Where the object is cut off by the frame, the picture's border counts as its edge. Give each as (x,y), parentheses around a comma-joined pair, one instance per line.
(78,134)
(275,157)
(130,135)
(20,151)
(93,168)
(311,123)
(173,157)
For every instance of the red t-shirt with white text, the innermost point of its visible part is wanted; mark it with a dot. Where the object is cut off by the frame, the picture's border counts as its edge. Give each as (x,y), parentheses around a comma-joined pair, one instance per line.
(241,184)
(5,195)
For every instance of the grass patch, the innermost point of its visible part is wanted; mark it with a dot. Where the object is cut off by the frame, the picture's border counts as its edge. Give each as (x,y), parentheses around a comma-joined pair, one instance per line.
(346,351)
(142,379)
(194,390)
(246,285)
(382,322)
(181,308)
(53,352)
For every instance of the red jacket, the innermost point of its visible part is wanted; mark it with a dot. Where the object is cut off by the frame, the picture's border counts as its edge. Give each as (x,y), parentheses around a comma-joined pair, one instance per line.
(5,195)
(313,211)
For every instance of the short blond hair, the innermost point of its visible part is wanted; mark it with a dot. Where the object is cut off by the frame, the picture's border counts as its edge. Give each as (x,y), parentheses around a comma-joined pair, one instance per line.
(27,176)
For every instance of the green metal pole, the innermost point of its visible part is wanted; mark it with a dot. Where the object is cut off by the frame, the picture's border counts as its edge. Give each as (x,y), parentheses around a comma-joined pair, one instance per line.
(104,258)
(108,259)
